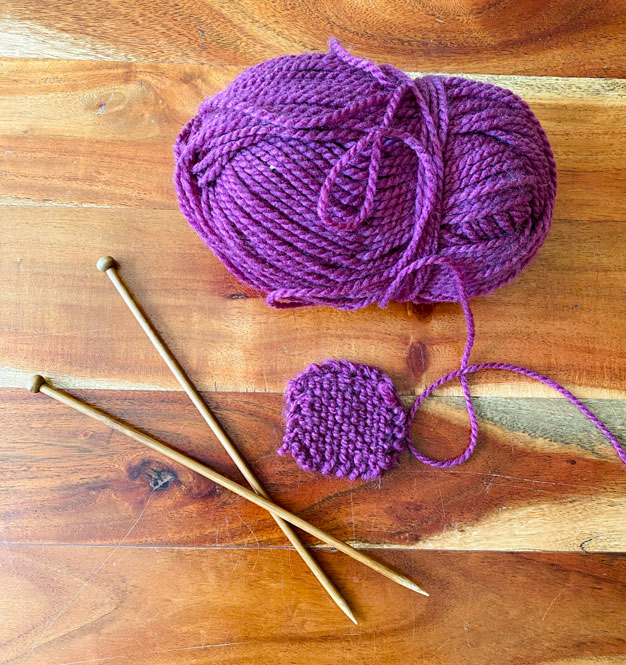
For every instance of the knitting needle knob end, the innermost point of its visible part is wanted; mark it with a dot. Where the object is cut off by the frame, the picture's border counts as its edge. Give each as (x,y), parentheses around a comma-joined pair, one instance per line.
(35,382)
(105,263)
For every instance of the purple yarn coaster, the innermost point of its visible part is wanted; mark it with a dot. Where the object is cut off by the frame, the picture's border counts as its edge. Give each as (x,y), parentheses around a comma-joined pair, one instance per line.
(344,419)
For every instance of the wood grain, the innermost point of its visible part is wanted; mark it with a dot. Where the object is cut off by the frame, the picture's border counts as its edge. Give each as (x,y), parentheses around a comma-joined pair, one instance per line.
(60,316)
(584,38)
(540,479)
(109,128)
(161,606)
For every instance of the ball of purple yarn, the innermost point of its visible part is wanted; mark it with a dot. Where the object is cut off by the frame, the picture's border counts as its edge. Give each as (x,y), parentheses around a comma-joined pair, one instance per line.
(344,419)
(323,179)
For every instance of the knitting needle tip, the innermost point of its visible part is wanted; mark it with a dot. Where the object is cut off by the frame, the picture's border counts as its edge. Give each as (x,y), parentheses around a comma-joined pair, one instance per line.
(343,606)
(414,587)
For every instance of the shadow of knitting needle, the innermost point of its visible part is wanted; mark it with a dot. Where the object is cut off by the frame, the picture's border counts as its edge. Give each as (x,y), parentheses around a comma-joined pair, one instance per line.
(38,384)
(109,266)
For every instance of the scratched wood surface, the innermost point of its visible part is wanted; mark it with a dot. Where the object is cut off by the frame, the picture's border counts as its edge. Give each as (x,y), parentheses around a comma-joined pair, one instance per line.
(533,37)
(110,554)
(542,479)
(135,607)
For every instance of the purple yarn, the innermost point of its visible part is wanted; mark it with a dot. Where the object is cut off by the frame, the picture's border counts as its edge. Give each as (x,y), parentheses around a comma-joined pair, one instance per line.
(324,179)
(326,442)
(344,419)
(321,178)
(466,369)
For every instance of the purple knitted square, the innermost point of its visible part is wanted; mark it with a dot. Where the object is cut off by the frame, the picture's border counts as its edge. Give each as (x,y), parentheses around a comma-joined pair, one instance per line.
(344,419)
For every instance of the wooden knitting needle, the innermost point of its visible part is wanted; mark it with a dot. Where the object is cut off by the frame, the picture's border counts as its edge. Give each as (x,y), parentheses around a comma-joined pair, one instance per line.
(38,384)
(108,265)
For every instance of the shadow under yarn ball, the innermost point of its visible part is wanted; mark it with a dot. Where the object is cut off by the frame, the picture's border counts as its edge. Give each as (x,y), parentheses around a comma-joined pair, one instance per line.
(323,179)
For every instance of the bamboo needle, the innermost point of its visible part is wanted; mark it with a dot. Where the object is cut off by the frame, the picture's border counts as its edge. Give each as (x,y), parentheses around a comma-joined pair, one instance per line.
(38,384)
(108,265)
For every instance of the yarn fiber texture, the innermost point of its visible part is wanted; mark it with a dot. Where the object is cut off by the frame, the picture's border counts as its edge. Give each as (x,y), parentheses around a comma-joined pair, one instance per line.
(324,179)
(344,419)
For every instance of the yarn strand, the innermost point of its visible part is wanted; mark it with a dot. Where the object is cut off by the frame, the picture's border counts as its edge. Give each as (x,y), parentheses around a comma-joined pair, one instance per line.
(466,369)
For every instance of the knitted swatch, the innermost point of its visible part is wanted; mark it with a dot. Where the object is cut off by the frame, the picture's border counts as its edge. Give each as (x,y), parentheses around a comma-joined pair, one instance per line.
(344,419)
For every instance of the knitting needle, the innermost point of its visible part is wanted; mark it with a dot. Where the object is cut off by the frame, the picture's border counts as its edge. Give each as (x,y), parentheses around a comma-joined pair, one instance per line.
(109,266)
(38,384)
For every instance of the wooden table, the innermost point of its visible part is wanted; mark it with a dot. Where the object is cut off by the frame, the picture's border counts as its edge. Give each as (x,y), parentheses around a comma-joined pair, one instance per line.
(113,555)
